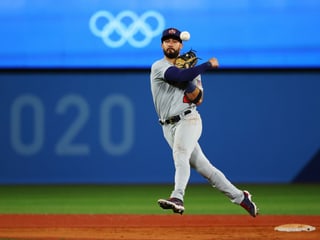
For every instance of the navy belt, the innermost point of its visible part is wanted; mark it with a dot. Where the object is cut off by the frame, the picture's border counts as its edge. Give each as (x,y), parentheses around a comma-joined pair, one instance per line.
(174,119)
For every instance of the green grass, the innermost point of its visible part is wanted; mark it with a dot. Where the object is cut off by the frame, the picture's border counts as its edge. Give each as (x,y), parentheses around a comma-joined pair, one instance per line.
(290,199)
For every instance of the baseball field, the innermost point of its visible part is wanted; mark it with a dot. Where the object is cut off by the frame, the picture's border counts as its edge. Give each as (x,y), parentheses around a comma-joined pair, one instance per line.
(131,212)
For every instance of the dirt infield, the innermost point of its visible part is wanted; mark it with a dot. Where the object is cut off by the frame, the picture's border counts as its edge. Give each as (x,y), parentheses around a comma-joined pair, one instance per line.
(153,227)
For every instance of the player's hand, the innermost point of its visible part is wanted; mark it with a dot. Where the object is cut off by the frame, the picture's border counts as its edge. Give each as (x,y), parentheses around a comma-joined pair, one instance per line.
(214,62)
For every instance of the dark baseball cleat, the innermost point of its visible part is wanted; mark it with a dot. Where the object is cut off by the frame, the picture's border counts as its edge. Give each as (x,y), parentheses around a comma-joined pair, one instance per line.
(172,203)
(249,205)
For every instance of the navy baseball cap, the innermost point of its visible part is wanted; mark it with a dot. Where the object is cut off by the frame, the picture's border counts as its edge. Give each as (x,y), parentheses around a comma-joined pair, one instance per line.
(171,33)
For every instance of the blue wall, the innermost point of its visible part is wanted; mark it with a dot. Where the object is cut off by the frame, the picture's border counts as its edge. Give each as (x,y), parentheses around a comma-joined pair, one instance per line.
(101,127)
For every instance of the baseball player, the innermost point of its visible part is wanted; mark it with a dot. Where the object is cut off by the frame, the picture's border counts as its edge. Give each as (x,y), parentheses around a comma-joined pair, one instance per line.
(182,126)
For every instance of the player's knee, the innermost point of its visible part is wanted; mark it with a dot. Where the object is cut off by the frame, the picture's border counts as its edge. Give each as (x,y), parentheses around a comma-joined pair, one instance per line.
(181,156)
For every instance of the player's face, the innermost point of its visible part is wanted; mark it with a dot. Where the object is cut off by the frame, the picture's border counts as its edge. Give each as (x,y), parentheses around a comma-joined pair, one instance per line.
(171,48)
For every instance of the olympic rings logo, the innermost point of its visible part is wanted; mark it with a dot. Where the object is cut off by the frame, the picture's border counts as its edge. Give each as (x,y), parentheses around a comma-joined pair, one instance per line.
(127,26)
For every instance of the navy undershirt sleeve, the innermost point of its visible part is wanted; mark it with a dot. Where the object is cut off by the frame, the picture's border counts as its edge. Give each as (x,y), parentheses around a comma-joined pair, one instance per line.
(183,75)
(190,87)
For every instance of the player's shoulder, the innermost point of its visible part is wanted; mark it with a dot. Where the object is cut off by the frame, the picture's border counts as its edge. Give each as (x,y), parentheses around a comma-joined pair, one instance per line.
(160,64)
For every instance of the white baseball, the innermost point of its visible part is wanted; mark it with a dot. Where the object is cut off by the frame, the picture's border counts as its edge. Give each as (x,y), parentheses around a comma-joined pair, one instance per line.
(185,36)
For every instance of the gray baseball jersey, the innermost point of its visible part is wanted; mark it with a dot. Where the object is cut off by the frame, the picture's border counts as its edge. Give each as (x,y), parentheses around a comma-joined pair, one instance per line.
(168,100)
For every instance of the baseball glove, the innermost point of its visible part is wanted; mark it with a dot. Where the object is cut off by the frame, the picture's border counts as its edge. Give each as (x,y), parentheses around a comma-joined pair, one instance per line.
(188,60)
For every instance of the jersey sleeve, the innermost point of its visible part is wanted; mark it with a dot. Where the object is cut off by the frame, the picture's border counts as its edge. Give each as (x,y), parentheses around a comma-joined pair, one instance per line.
(176,74)
(158,70)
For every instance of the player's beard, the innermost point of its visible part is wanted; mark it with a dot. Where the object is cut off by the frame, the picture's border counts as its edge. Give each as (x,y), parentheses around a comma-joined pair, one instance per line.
(171,53)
